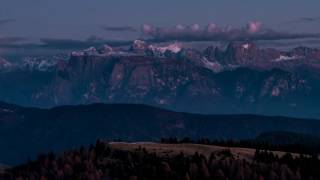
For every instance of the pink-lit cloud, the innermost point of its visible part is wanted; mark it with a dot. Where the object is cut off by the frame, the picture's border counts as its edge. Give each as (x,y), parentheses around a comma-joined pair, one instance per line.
(254,26)
(252,31)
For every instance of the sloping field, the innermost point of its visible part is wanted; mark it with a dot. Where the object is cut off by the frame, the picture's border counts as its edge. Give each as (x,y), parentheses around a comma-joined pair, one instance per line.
(188,149)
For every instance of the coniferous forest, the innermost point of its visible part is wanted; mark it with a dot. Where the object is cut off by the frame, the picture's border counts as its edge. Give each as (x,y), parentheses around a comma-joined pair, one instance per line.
(102,162)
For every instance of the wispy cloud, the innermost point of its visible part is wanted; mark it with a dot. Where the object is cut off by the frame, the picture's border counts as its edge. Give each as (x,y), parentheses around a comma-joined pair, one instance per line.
(74,44)
(10,40)
(119,28)
(304,20)
(6,21)
(252,31)
(70,43)
(61,44)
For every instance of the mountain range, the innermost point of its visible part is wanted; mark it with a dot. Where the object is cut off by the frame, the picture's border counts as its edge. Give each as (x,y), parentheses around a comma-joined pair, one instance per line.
(242,78)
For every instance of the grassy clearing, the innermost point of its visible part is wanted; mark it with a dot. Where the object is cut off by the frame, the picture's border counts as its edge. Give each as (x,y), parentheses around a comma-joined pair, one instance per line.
(189,149)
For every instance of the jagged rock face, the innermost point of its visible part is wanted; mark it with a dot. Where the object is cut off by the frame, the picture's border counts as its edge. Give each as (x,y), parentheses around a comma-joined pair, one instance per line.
(211,54)
(189,80)
(154,50)
(170,83)
(306,53)
(129,80)
(239,54)
(247,54)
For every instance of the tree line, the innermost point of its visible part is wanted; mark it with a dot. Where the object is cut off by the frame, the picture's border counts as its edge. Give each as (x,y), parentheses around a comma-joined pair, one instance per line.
(310,149)
(102,162)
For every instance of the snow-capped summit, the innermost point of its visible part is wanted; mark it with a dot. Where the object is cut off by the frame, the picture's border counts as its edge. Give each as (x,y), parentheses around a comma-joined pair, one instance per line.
(102,51)
(87,52)
(90,51)
(285,58)
(246,46)
(174,48)
(4,64)
(77,53)
(139,46)
(40,63)
(143,48)
(105,49)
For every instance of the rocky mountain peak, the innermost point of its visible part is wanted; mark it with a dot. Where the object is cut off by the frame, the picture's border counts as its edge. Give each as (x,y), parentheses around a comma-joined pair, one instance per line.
(164,51)
(4,63)
(240,53)
(305,52)
(138,46)
(210,53)
(105,49)
(242,48)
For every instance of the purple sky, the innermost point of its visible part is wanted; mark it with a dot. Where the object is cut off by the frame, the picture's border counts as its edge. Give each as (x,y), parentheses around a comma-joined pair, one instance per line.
(79,19)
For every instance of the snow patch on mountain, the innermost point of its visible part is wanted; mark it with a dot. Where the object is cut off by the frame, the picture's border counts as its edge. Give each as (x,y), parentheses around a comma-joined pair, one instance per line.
(4,64)
(41,63)
(285,58)
(105,49)
(102,51)
(31,63)
(139,45)
(175,48)
(214,66)
(246,46)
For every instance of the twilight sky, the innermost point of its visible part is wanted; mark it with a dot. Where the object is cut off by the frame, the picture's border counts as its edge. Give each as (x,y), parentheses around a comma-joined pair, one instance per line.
(79,19)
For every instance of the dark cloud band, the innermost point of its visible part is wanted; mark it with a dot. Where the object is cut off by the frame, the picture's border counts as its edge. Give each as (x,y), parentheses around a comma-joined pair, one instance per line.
(6,21)
(119,28)
(304,20)
(11,40)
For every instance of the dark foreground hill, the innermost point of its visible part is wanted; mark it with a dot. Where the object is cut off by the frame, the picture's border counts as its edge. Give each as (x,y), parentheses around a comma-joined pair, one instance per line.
(26,132)
(167,162)
(288,138)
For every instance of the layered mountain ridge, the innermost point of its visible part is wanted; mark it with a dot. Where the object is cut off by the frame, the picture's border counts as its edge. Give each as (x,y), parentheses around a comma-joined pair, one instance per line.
(243,78)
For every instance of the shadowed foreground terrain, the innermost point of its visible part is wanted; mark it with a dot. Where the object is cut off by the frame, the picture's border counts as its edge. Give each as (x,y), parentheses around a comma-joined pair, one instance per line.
(26,132)
(163,161)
